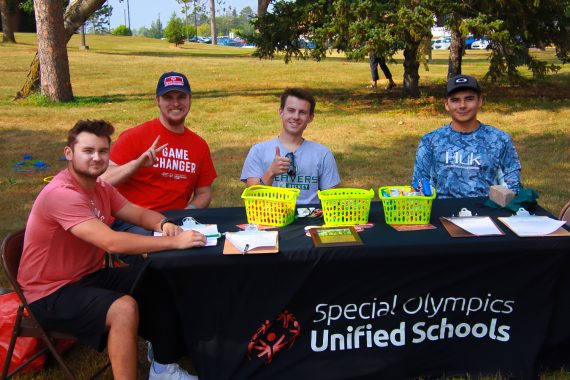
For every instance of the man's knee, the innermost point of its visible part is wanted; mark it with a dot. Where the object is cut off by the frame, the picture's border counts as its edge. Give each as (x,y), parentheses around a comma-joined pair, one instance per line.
(124,310)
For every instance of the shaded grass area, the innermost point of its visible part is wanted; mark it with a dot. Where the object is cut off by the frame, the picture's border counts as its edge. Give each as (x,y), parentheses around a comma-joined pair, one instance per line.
(373,134)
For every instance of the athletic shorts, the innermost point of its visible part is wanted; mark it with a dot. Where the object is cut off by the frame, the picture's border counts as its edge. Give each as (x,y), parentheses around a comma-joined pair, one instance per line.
(80,309)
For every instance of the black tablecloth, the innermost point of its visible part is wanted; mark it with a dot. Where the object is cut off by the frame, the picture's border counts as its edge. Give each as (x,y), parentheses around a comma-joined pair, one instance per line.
(404,304)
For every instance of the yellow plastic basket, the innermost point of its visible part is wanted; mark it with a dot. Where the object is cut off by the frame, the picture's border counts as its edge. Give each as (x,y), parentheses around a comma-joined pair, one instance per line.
(273,206)
(405,209)
(345,206)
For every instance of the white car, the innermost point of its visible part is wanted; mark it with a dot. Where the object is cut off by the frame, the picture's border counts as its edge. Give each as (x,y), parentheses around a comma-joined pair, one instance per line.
(480,44)
(441,43)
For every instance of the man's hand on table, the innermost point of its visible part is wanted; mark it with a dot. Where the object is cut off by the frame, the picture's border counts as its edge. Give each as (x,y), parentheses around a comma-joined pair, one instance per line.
(171,229)
(190,239)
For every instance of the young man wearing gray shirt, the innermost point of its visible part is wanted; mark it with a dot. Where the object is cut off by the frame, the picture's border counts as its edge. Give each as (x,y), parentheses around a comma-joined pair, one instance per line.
(289,160)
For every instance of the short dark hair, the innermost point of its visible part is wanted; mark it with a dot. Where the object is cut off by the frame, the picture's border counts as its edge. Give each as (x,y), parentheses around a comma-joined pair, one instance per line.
(301,94)
(99,128)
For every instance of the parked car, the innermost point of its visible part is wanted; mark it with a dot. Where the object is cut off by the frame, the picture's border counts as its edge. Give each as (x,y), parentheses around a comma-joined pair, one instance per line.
(441,43)
(306,44)
(469,41)
(480,44)
(205,40)
(226,41)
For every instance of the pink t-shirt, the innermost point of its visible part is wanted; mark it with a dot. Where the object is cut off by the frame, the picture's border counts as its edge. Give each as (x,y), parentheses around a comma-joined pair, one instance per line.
(53,256)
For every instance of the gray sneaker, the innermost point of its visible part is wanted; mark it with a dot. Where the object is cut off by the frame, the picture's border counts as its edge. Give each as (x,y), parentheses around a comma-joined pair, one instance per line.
(172,372)
(149,352)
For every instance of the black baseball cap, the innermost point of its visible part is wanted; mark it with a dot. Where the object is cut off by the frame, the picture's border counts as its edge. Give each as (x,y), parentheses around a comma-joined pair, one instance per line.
(462,82)
(172,81)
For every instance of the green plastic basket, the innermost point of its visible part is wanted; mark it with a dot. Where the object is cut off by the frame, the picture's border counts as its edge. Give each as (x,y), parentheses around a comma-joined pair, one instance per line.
(345,206)
(405,209)
(268,205)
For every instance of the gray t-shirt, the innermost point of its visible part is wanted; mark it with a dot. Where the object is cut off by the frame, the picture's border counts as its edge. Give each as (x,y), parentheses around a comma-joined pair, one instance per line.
(467,164)
(316,168)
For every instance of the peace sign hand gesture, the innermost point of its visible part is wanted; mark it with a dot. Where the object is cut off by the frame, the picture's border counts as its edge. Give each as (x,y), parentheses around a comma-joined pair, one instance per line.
(148,158)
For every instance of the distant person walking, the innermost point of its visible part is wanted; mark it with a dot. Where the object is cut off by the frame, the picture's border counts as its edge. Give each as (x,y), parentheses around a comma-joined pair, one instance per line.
(376,61)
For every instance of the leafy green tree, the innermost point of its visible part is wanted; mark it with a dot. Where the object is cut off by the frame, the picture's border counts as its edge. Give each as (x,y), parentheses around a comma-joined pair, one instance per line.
(156,30)
(204,30)
(512,26)
(355,27)
(246,14)
(122,30)
(101,20)
(185,4)
(174,31)
(515,25)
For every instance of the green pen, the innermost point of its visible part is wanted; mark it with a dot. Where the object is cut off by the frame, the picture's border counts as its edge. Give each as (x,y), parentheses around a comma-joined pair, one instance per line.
(218,235)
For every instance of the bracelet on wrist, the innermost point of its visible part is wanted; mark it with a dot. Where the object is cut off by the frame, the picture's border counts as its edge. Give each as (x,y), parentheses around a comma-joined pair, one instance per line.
(164,221)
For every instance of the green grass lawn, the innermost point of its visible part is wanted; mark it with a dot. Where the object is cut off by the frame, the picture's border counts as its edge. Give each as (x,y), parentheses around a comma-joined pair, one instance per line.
(373,134)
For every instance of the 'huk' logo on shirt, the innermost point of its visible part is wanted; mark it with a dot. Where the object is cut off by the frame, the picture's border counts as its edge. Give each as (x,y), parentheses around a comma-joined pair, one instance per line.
(457,159)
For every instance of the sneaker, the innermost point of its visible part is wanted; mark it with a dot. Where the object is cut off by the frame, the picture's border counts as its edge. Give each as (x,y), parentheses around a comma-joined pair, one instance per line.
(390,85)
(172,372)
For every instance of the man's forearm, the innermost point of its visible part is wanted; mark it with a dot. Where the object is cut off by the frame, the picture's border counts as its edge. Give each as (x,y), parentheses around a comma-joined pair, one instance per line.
(119,174)
(200,201)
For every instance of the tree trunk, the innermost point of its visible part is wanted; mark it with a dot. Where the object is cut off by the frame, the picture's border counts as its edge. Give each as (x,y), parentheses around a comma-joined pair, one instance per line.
(7,31)
(55,81)
(411,70)
(455,54)
(75,15)
(262,6)
(213,30)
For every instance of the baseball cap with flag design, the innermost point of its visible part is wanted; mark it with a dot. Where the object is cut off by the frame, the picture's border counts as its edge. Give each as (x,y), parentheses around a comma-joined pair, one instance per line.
(172,81)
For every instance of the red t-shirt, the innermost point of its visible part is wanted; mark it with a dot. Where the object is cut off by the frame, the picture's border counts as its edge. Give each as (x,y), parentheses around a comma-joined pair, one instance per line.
(182,166)
(53,256)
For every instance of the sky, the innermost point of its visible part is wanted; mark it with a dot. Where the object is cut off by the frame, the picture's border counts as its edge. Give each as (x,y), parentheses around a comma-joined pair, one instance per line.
(143,12)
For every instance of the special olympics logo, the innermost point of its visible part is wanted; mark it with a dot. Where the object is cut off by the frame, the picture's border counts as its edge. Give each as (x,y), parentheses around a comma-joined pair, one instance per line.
(272,337)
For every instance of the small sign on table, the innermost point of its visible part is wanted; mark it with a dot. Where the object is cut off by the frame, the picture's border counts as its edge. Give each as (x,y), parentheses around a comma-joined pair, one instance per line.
(335,236)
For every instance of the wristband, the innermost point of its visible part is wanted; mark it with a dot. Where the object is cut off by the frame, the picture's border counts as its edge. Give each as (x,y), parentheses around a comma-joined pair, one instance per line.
(164,221)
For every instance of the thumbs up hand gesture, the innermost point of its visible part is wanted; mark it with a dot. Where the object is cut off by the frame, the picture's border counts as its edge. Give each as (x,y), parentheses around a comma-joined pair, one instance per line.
(279,165)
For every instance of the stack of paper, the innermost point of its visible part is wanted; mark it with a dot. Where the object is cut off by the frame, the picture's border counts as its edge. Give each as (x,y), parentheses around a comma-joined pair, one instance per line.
(245,241)
(532,225)
(477,225)
(206,229)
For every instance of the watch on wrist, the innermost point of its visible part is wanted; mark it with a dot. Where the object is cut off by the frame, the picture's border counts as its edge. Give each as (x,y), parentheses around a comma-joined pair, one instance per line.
(164,221)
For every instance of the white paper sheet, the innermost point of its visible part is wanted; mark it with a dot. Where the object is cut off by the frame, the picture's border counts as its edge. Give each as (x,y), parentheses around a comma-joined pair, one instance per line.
(252,240)
(477,225)
(206,229)
(532,225)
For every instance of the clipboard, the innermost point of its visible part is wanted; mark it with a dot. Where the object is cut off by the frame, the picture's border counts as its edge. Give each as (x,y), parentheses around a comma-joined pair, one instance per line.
(230,249)
(559,232)
(458,232)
